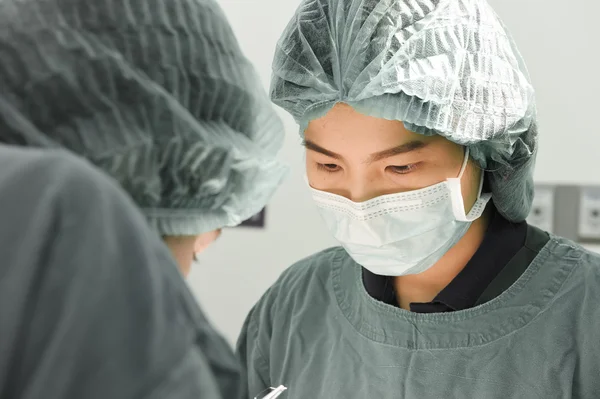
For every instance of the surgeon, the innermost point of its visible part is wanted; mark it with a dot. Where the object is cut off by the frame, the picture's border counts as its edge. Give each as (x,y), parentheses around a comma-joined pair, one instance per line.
(158,97)
(419,123)
(156,94)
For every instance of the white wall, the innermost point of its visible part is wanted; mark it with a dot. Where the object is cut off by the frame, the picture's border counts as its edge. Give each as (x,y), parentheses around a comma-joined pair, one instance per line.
(560,46)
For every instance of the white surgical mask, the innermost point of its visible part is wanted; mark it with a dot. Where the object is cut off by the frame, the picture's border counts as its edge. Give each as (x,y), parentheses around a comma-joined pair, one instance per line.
(404,233)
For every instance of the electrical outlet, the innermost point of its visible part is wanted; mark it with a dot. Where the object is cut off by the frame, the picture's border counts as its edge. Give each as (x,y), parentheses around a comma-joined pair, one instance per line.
(589,213)
(542,208)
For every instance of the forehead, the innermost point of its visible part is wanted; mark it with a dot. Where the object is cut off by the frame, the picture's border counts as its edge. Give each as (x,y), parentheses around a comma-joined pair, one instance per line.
(343,126)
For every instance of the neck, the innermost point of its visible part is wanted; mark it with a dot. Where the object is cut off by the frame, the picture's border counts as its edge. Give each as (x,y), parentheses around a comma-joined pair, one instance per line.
(425,286)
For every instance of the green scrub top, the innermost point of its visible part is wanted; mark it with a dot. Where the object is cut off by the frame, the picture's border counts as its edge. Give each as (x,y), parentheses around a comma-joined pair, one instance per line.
(318,332)
(92,304)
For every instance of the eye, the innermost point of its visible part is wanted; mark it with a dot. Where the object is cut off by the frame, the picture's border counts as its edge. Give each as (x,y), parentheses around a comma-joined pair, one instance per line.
(328,167)
(402,170)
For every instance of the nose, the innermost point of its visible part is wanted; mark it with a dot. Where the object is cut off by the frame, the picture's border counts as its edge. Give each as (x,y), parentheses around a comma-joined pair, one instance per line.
(361,190)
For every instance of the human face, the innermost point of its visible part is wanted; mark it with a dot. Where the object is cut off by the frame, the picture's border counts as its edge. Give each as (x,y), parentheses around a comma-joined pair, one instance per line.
(184,248)
(361,157)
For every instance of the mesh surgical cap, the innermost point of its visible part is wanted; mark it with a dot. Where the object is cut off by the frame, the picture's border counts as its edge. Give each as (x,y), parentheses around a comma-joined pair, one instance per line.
(445,67)
(156,93)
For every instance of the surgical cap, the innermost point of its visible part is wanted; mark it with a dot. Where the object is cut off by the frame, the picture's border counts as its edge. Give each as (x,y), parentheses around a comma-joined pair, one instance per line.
(156,93)
(445,67)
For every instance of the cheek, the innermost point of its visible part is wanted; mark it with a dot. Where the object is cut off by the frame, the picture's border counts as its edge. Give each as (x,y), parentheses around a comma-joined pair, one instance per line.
(182,251)
(204,240)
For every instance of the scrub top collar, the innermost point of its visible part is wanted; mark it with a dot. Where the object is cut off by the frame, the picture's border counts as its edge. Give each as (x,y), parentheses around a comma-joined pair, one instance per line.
(511,308)
(501,243)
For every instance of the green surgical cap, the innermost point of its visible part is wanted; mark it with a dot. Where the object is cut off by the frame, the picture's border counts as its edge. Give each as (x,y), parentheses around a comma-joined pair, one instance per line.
(445,67)
(156,93)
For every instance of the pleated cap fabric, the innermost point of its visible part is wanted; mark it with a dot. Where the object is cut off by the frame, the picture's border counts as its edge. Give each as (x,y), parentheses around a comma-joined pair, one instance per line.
(444,67)
(156,93)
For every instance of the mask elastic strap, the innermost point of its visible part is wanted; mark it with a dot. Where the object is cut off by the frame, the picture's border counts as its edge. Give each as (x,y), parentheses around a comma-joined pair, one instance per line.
(458,205)
(481,184)
(462,171)
(464,164)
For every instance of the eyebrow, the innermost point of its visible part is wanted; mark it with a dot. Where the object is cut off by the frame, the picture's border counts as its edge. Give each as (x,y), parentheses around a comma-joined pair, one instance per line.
(401,149)
(316,148)
(378,156)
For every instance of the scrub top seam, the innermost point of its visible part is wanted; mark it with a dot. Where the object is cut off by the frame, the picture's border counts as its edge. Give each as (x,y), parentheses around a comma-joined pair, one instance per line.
(254,324)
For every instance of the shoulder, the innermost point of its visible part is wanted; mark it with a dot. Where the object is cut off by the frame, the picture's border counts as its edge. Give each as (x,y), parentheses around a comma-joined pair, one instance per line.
(307,280)
(302,291)
(32,168)
(58,202)
(314,269)
(583,268)
(28,161)
(52,174)
(47,189)
(588,270)
(587,262)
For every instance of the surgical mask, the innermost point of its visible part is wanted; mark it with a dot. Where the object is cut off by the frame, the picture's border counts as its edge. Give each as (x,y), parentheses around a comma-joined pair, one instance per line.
(403,233)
